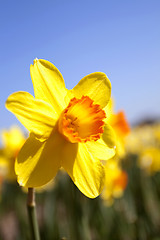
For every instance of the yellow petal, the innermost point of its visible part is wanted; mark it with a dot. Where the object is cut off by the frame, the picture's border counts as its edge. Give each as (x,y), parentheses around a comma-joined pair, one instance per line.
(36,115)
(109,136)
(108,110)
(86,172)
(100,150)
(48,84)
(97,86)
(69,96)
(38,162)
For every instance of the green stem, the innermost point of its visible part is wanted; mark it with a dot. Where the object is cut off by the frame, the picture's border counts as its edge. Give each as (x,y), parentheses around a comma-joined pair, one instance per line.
(32,214)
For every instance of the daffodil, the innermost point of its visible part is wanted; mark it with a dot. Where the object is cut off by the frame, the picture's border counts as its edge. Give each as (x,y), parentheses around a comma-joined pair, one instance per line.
(149,160)
(12,141)
(115,182)
(67,129)
(120,126)
(144,141)
(142,137)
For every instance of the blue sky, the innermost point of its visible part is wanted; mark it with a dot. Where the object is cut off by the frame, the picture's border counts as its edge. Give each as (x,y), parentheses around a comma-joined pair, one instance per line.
(119,38)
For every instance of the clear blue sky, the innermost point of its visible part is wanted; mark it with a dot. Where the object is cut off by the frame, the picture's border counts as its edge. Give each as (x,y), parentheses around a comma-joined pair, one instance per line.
(119,38)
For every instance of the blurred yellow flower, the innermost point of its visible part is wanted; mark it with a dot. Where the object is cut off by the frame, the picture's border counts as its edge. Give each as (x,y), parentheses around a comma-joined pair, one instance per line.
(115,181)
(12,141)
(144,141)
(149,160)
(156,129)
(140,138)
(121,127)
(68,129)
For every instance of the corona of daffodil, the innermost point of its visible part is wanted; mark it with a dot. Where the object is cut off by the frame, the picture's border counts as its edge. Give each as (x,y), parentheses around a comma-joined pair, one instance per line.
(67,129)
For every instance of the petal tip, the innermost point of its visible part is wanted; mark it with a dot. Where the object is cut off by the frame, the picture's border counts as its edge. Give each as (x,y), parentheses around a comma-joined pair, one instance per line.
(21,183)
(35,60)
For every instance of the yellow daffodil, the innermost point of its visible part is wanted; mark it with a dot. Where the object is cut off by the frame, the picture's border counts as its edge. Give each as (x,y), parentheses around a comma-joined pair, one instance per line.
(156,128)
(120,126)
(116,178)
(149,160)
(144,141)
(142,137)
(122,129)
(67,129)
(12,141)
(115,182)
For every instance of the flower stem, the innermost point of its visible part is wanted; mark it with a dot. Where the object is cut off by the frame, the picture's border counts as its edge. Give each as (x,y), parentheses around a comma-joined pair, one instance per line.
(32,214)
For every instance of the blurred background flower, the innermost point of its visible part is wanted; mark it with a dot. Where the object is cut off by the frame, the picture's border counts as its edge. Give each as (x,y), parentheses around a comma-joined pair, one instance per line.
(115,181)
(12,141)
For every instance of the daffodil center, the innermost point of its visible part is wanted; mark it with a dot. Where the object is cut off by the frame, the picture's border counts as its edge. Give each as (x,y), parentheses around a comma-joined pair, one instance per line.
(82,120)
